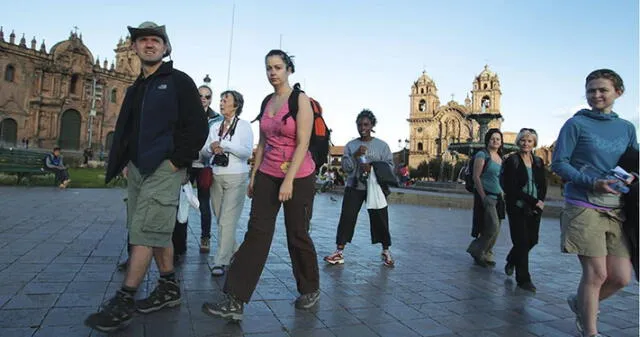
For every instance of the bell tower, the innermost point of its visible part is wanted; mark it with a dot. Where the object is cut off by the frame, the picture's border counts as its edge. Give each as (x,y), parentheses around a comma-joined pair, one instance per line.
(486,92)
(127,61)
(424,97)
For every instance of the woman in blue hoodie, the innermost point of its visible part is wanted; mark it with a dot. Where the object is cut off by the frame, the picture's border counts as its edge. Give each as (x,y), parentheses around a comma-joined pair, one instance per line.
(589,145)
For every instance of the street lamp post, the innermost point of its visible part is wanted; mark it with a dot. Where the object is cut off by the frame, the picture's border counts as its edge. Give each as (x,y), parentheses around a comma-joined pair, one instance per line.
(92,112)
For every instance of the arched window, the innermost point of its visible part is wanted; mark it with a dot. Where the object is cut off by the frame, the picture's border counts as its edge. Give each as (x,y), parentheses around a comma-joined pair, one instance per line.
(73,86)
(485,86)
(422,90)
(114,95)
(10,73)
(420,147)
(422,106)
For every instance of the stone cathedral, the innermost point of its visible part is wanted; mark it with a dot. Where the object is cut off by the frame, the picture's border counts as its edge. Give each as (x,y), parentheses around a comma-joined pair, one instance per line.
(432,127)
(49,97)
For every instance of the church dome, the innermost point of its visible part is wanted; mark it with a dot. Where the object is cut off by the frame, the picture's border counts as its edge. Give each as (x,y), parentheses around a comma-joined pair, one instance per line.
(73,44)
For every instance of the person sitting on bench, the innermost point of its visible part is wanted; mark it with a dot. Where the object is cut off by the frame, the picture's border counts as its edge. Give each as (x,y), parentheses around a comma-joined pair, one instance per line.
(53,163)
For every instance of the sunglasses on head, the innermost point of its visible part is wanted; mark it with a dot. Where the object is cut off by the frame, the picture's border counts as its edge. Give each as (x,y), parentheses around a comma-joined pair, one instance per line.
(206,96)
(530,130)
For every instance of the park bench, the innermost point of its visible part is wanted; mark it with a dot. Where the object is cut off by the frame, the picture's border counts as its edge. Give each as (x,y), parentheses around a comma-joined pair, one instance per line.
(22,163)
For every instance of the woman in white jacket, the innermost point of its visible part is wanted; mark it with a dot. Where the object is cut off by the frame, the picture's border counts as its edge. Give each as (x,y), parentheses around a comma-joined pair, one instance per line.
(229,146)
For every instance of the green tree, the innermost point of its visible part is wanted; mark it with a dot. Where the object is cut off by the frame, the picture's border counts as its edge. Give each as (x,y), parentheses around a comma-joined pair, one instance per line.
(434,168)
(423,169)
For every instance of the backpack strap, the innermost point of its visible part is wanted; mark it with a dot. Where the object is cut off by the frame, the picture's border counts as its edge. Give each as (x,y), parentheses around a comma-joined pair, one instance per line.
(293,102)
(486,162)
(262,107)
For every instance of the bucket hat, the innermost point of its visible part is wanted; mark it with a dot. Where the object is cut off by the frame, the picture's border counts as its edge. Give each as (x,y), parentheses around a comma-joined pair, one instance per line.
(149,28)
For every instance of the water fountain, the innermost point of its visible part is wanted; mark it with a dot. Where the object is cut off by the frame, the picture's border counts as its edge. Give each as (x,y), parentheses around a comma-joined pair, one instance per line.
(483,119)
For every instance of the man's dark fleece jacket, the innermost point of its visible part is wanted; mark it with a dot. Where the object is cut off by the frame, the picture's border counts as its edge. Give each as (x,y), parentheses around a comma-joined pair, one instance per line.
(160,118)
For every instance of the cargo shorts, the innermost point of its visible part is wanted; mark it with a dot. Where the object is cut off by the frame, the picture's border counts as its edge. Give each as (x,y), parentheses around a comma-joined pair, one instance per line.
(593,233)
(152,204)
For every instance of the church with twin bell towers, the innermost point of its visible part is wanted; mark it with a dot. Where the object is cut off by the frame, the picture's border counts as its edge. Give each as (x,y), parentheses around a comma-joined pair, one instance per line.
(432,126)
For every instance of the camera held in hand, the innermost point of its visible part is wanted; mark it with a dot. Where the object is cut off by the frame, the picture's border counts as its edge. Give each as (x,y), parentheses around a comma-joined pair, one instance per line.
(221,160)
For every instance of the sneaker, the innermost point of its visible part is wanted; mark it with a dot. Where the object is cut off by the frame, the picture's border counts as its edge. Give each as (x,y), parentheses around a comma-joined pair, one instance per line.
(166,294)
(572,300)
(335,258)
(217,271)
(307,301)
(116,314)
(387,260)
(205,246)
(230,308)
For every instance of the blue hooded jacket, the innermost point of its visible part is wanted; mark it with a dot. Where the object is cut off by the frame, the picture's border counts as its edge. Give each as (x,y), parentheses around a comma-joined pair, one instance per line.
(588,146)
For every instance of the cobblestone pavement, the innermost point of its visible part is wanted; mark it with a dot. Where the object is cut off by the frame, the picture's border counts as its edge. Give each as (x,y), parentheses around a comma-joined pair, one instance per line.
(59,249)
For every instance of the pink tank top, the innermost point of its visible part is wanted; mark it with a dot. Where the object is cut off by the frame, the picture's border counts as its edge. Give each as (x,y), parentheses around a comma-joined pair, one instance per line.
(280,145)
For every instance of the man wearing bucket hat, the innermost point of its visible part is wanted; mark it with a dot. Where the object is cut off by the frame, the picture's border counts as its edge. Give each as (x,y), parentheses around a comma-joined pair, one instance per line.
(159,132)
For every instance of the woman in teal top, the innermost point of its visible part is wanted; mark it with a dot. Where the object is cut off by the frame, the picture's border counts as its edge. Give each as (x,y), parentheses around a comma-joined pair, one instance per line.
(488,204)
(525,187)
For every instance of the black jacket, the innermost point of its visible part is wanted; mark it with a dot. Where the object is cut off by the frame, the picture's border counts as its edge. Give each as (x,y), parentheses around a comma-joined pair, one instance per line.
(172,125)
(630,162)
(514,178)
(384,176)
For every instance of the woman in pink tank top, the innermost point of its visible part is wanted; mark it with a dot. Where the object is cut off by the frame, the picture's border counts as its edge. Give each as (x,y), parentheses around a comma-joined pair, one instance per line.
(283,174)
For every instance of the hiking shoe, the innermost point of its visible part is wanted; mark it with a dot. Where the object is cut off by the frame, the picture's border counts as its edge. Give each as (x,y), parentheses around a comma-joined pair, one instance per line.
(572,300)
(166,294)
(230,308)
(205,246)
(335,258)
(528,286)
(217,271)
(387,260)
(308,300)
(116,314)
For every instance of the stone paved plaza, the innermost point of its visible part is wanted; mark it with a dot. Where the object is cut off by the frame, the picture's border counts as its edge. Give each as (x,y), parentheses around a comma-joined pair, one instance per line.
(59,249)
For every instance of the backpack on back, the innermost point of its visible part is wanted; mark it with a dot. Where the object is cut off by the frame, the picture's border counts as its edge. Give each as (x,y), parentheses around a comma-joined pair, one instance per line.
(320,133)
(468,175)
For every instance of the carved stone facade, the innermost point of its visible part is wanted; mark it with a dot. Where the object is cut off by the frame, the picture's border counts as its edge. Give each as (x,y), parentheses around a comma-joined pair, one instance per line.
(47,97)
(433,126)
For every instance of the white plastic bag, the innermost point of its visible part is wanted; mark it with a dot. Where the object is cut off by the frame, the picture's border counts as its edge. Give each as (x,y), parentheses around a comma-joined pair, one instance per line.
(183,209)
(375,197)
(191,198)
(183,205)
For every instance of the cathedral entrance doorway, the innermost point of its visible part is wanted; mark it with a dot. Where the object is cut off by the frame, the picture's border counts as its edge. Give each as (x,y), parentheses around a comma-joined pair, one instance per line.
(8,132)
(70,130)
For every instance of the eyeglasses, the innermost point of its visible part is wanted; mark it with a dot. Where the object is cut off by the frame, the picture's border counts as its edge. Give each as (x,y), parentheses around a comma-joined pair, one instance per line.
(530,130)
(206,96)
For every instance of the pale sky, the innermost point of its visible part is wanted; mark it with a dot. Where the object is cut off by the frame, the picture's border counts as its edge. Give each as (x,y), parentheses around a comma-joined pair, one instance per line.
(352,55)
